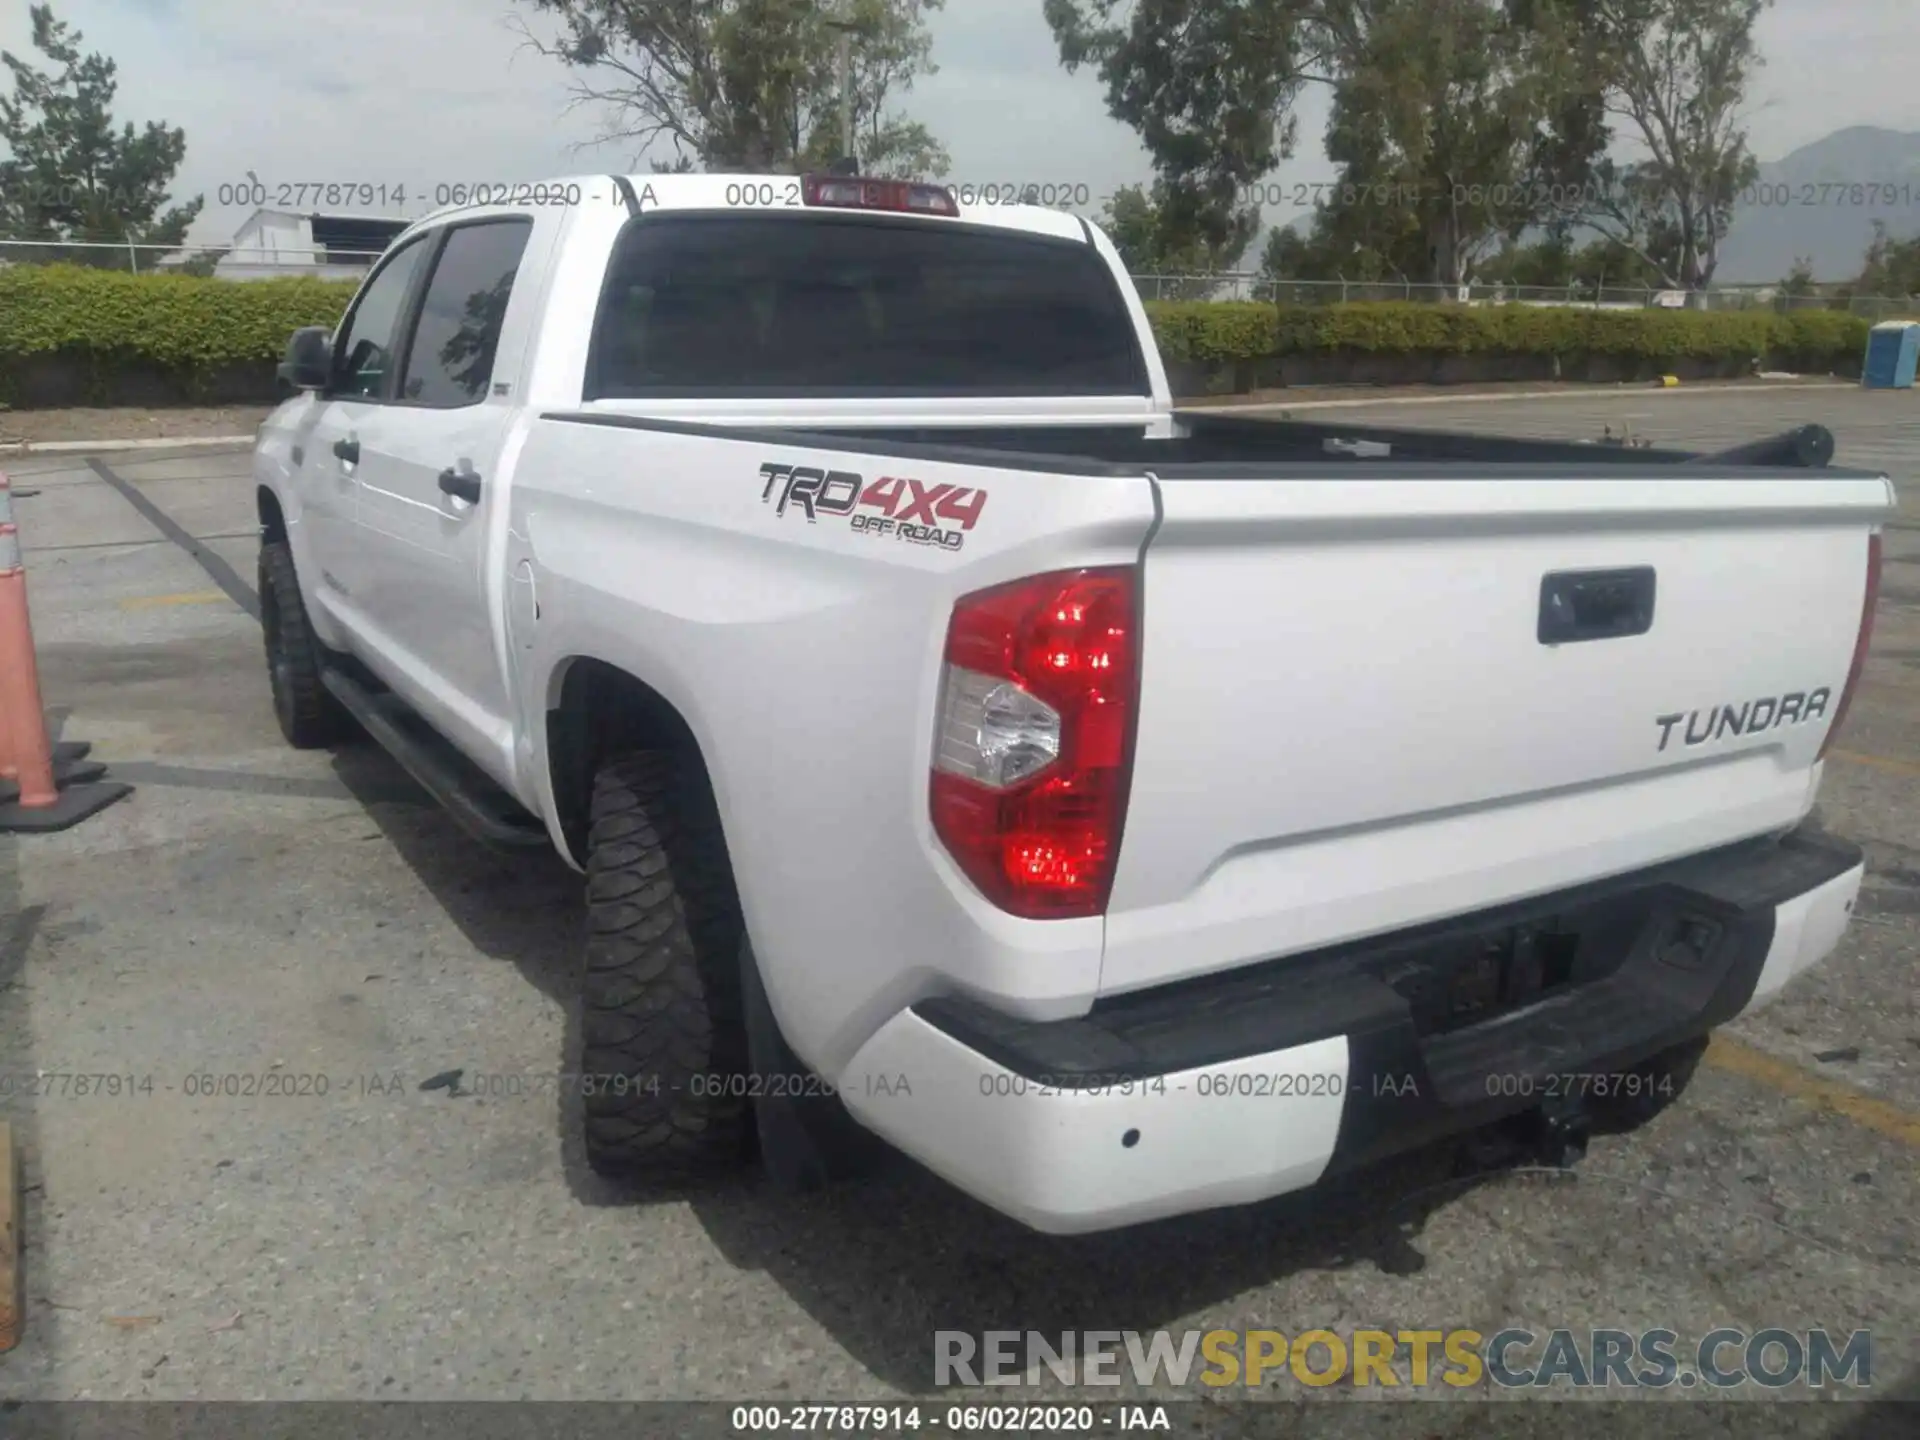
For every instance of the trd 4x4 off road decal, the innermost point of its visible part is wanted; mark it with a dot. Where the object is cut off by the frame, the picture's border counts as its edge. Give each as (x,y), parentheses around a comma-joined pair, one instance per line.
(889,507)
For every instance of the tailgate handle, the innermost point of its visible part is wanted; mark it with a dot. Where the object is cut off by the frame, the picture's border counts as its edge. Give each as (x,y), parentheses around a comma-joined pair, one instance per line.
(1595,604)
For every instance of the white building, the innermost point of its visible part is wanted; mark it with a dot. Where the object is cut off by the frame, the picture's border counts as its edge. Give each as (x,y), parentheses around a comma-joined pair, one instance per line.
(285,242)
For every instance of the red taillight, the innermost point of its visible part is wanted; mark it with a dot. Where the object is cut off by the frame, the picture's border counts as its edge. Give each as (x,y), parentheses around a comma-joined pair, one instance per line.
(854,192)
(1030,762)
(1860,645)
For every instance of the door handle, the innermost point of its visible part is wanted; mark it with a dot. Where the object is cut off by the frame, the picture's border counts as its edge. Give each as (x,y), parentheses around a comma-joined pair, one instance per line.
(1580,605)
(347,450)
(461,487)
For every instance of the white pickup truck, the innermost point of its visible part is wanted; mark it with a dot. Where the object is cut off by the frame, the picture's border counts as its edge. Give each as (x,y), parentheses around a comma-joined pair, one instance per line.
(1122,811)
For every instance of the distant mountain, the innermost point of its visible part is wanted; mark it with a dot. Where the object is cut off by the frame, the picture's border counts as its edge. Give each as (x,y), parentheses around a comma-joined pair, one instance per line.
(1805,206)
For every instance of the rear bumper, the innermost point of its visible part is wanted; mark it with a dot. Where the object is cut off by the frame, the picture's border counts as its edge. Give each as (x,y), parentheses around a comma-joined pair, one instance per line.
(1261,1080)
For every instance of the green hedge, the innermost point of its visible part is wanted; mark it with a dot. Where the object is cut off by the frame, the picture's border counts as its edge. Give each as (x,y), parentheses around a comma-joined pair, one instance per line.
(178,323)
(189,325)
(1213,330)
(1210,331)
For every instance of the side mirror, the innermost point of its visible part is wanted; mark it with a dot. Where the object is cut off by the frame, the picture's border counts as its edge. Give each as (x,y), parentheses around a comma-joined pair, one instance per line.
(309,362)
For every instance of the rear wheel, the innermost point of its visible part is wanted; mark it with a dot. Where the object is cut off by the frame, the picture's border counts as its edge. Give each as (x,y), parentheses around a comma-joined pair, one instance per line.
(663,1041)
(309,716)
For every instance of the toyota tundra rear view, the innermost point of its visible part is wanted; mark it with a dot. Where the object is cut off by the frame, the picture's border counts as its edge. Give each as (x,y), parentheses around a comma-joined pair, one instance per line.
(1123,810)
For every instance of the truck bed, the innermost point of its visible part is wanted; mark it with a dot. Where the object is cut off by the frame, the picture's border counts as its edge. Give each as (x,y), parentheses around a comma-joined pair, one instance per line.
(1390,676)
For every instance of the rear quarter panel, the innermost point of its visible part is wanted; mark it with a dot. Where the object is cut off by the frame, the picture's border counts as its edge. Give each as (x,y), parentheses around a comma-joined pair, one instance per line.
(805,656)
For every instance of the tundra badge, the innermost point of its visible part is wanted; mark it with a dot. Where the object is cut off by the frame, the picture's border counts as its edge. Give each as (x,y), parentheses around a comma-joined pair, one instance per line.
(1718,722)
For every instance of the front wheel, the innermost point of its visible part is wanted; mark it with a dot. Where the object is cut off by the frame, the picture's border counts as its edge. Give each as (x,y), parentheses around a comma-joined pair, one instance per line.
(309,716)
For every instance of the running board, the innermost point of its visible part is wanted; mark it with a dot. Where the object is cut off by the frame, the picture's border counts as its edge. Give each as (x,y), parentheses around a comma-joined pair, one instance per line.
(481,808)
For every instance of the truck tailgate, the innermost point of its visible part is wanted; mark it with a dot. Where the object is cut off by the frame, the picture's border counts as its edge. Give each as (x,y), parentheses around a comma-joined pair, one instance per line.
(1350,722)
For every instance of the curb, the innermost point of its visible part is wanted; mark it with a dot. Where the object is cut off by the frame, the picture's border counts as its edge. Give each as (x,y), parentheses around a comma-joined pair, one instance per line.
(179,442)
(1484,396)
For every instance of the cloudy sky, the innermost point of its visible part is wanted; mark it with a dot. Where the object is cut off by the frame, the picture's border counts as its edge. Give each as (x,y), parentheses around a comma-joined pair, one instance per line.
(429,92)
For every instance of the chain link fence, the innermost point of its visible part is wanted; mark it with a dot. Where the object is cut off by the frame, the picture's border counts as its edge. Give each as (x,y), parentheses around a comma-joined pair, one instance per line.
(334,263)
(229,262)
(1250,285)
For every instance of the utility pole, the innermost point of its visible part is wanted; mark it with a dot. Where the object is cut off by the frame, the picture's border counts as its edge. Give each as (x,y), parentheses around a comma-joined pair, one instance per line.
(846,92)
(844,23)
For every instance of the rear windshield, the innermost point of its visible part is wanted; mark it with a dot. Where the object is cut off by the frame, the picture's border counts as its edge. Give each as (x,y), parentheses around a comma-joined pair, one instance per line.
(814,305)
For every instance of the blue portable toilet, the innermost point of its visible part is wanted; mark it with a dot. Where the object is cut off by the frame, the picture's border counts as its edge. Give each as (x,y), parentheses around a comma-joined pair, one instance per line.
(1893,354)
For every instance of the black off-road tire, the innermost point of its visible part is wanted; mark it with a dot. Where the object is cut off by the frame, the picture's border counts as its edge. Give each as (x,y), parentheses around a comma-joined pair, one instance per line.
(663,1042)
(309,716)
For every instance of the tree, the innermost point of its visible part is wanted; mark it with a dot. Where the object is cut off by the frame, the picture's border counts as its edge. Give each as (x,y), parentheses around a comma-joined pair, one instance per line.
(1209,86)
(70,176)
(1473,116)
(1677,77)
(1361,243)
(1152,243)
(1799,281)
(1552,262)
(1452,112)
(1479,122)
(1891,267)
(202,263)
(1548,263)
(749,85)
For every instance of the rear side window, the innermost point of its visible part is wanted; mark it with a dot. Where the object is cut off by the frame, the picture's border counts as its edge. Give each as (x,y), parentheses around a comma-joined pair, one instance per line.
(810,305)
(451,358)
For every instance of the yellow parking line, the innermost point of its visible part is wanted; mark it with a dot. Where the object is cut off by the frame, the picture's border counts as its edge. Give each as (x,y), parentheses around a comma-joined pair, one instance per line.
(1879,762)
(1866,1111)
(191,597)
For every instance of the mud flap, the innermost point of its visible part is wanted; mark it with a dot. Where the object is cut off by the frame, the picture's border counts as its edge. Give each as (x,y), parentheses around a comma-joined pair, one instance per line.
(807,1138)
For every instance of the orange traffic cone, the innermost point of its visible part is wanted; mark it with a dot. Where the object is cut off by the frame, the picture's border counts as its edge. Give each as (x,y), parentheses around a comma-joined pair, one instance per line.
(52,789)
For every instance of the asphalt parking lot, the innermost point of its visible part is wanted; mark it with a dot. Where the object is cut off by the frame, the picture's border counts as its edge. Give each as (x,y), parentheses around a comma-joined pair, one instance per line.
(254,909)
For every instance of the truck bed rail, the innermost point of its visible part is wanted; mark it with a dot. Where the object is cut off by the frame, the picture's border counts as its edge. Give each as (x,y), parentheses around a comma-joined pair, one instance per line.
(1808,447)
